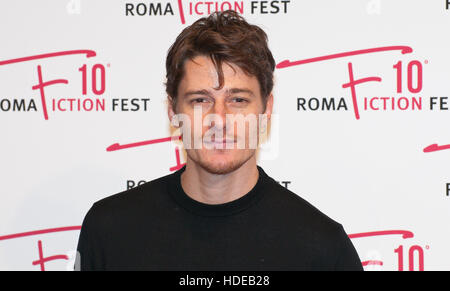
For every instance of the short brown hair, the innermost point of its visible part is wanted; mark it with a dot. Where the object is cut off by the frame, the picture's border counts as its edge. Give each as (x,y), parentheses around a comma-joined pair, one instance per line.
(224,37)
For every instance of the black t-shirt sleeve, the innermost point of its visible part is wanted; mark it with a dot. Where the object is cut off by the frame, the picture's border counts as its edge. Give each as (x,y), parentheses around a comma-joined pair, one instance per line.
(89,257)
(347,257)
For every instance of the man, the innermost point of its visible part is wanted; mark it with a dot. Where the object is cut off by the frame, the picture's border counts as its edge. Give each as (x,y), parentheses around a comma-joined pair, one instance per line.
(220,211)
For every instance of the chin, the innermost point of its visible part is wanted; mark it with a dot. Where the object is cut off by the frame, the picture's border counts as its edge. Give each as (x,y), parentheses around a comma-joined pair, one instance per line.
(218,163)
(220,166)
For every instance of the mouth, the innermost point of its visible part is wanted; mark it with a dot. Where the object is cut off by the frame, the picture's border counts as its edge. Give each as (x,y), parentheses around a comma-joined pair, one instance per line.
(221,142)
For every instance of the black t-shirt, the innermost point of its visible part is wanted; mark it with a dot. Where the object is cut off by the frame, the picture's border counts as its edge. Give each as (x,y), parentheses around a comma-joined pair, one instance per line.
(157,226)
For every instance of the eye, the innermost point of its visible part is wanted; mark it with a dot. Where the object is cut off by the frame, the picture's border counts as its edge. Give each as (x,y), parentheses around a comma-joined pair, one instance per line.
(239,100)
(198,100)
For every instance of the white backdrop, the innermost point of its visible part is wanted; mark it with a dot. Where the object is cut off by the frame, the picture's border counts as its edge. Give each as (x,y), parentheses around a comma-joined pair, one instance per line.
(366,165)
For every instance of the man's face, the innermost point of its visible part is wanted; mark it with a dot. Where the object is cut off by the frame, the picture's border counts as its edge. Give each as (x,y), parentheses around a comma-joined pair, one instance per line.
(240,96)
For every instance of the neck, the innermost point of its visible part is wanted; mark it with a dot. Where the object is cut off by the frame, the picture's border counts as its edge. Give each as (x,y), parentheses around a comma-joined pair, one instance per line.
(209,188)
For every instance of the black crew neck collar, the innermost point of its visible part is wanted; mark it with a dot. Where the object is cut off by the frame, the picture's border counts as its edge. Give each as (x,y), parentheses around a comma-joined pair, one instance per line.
(225,209)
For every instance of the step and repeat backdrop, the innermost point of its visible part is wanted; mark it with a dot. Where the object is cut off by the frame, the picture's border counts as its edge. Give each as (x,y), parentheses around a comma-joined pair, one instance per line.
(360,130)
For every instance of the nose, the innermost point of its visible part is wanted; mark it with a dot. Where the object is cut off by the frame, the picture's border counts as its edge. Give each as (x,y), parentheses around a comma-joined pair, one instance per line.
(220,110)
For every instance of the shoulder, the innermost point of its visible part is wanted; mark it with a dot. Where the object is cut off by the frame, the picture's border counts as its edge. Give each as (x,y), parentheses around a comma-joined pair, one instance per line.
(148,191)
(129,203)
(295,208)
(304,222)
(311,229)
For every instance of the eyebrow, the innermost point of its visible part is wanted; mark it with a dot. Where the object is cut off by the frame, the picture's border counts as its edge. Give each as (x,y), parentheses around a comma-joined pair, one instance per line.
(229,91)
(240,90)
(197,92)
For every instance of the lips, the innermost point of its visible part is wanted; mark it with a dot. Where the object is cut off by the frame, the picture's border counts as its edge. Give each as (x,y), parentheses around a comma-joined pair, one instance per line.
(223,143)
(220,142)
(213,140)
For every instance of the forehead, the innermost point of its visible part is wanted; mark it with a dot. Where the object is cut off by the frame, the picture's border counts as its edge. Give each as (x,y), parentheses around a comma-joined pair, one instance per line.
(200,73)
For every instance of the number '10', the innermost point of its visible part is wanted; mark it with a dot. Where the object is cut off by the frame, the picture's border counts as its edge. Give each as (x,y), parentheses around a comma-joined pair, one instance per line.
(96,69)
(411,252)
(411,65)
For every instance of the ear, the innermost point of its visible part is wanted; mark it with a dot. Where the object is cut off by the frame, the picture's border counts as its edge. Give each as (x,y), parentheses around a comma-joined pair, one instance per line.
(170,109)
(269,106)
